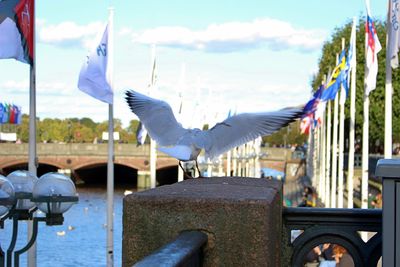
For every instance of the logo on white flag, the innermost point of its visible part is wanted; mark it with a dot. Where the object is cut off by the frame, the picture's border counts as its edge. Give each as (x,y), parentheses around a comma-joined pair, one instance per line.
(394,32)
(92,78)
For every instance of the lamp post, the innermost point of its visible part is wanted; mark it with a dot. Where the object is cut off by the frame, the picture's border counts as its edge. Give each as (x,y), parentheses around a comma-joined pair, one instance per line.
(21,194)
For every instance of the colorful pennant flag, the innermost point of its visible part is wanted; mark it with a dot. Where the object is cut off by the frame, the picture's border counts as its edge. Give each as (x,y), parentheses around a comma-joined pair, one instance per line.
(336,79)
(10,113)
(306,123)
(16,30)
(350,64)
(311,105)
(372,48)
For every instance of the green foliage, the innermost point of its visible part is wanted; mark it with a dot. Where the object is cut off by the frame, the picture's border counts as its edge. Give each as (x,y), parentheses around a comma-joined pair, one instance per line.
(286,136)
(377,97)
(23,129)
(71,130)
(88,122)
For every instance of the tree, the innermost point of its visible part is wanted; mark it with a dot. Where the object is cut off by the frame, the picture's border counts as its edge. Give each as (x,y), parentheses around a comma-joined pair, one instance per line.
(131,131)
(23,129)
(88,122)
(377,97)
(287,135)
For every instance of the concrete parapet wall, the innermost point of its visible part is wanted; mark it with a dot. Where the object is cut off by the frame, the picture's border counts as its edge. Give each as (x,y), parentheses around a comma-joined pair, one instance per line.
(241,216)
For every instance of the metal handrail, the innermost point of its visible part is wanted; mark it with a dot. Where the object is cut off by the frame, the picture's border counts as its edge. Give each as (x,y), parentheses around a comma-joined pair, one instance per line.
(185,250)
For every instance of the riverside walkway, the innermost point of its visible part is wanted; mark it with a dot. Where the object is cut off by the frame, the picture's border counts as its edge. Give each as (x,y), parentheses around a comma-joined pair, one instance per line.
(293,191)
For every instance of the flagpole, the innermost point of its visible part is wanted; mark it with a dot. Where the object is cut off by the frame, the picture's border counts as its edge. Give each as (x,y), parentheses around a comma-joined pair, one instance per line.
(321,187)
(334,146)
(314,155)
(257,159)
(33,160)
(350,173)
(365,142)
(328,156)
(322,156)
(110,162)
(234,161)
(181,85)
(341,145)
(310,153)
(32,157)
(153,153)
(388,93)
(328,139)
(364,181)
(228,163)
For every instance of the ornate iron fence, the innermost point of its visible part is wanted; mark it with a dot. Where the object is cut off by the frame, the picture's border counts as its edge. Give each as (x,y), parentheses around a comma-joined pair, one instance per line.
(335,226)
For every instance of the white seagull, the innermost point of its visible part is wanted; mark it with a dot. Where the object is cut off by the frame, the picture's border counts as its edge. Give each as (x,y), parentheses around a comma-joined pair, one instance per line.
(186,144)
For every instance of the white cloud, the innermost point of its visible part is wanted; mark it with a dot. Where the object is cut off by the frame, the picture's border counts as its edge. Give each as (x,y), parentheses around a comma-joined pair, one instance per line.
(12,86)
(49,88)
(69,33)
(216,38)
(125,31)
(235,36)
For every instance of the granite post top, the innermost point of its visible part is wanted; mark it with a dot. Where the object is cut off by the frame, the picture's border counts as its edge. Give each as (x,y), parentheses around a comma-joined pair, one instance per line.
(221,189)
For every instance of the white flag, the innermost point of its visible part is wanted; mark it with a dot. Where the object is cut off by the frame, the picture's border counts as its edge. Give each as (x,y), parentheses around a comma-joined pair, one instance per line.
(394,21)
(141,134)
(92,78)
(372,48)
(319,113)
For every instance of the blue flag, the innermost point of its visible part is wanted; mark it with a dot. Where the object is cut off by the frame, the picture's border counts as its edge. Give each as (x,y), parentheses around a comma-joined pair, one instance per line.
(312,104)
(1,113)
(337,78)
(6,109)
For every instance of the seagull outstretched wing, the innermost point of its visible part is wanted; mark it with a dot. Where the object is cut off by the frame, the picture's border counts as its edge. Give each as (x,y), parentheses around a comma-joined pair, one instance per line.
(157,117)
(242,128)
(184,144)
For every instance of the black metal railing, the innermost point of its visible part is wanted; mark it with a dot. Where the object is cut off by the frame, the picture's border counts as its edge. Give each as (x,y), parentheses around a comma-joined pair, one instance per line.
(335,226)
(184,251)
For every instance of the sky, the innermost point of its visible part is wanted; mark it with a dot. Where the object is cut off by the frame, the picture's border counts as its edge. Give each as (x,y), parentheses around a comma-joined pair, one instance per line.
(220,56)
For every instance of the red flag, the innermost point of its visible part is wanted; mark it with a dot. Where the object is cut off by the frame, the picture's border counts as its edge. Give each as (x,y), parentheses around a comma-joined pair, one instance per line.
(372,48)
(12,114)
(306,123)
(17,30)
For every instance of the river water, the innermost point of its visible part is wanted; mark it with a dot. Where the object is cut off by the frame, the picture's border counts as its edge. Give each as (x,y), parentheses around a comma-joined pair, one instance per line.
(81,240)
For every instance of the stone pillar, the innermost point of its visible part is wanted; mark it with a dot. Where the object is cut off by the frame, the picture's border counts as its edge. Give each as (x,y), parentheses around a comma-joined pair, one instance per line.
(241,216)
(66,172)
(143,180)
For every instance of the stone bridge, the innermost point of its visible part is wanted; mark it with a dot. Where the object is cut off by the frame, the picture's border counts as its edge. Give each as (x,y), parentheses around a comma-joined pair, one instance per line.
(76,156)
(89,161)
(84,160)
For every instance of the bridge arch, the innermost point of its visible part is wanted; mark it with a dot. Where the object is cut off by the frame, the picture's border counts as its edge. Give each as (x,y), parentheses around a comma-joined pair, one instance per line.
(96,174)
(23,165)
(167,175)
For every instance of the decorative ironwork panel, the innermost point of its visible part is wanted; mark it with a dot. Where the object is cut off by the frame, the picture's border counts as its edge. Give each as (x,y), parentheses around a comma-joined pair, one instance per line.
(335,226)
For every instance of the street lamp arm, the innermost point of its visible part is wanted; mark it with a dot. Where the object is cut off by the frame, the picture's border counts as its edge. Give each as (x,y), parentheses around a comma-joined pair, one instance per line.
(31,241)
(13,239)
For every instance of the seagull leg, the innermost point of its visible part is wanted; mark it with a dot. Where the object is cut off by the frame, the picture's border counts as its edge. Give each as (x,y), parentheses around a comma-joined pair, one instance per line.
(187,176)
